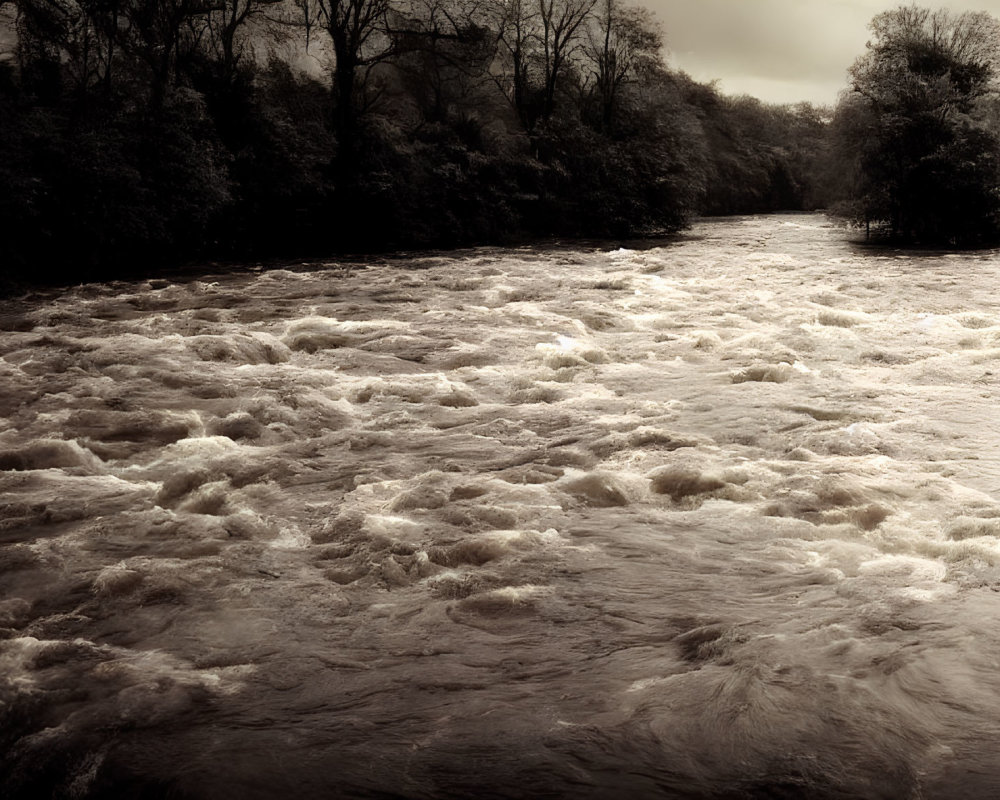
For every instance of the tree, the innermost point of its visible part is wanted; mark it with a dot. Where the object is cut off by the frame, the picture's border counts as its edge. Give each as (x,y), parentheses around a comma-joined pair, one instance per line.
(913,125)
(225,25)
(536,41)
(622,42)
(157,34)
(443,55)
(561,23)
(516,26)
(360,38)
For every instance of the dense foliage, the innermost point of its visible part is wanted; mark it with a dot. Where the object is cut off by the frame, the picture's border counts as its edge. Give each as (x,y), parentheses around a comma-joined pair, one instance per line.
(138,132)
(917,133)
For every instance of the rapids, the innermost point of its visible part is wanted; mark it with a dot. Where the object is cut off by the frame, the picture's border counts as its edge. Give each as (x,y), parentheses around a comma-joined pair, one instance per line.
(713,517)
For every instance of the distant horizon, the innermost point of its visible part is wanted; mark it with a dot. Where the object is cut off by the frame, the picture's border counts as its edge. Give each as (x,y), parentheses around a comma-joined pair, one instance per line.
(779,51)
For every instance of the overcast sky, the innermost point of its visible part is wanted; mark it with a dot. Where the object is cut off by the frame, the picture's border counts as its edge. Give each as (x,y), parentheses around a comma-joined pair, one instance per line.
(781,51)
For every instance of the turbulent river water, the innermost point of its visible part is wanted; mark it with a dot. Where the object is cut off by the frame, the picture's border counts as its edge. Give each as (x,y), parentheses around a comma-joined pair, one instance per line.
(710,518)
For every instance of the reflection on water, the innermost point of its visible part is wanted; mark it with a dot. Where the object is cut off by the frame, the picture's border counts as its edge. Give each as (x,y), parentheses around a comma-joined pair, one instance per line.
(717,518)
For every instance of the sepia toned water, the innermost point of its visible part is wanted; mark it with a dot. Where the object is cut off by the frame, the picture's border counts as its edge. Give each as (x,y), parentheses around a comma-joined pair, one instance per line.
(711,518)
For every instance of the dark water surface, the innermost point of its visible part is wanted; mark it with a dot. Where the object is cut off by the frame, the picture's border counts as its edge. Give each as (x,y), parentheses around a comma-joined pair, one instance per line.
(714,519)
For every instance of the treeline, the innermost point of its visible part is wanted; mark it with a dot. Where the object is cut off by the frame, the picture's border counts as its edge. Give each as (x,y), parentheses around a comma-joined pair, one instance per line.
(142,132)
(917,136)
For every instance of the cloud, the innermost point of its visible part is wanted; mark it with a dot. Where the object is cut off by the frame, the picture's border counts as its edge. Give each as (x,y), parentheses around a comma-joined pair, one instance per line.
(778,50)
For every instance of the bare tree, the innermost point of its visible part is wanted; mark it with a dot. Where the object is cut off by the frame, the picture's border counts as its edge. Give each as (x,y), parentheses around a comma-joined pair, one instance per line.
(516,23)
(535,41)
(360,39)
(621,43)
(561,24)
(444,51)
(226,24)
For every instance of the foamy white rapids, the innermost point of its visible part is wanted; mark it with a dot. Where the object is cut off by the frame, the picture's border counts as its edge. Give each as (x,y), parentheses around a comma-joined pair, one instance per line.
(717,517)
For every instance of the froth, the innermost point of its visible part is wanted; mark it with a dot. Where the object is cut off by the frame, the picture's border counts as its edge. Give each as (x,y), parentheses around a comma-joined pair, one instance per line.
(717,505)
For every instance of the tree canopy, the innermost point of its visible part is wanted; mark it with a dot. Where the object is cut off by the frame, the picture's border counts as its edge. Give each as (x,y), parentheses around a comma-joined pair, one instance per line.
(915,130)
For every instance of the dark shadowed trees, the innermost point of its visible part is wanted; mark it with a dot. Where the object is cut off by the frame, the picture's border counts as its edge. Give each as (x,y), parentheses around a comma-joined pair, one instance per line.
(157,34)
(140,132)
(360,38)
(536,43)
(561,26)
(623,43)
(515,26)
(227,27)
(761,157)
(444,54)
(913,133)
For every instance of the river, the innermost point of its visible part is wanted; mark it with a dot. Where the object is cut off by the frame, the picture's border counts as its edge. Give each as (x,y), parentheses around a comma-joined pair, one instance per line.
(715,517)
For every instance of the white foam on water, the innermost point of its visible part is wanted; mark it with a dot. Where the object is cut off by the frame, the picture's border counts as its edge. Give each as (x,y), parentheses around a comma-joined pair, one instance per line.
(291,538)
(689,520)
